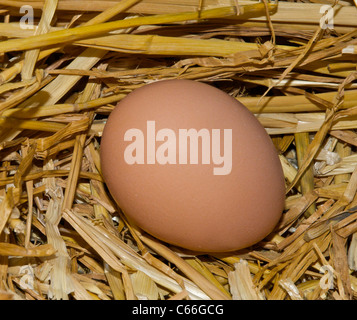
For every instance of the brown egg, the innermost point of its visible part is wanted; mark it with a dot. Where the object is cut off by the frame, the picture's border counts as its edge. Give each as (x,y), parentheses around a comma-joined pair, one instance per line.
(192,166)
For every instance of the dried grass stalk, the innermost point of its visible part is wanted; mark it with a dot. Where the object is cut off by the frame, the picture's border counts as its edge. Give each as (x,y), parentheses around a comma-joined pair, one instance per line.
(30,59)
(293,13)
(168,46)
(241,283)
(98,241)
(7,249)
(90,31)
(307,183)
(61,281)
(209,288)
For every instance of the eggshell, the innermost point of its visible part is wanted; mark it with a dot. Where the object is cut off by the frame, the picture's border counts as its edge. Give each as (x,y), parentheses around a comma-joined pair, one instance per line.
(194,205)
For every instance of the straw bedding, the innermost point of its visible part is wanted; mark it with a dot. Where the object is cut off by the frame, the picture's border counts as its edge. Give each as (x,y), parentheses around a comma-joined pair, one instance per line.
(61,234)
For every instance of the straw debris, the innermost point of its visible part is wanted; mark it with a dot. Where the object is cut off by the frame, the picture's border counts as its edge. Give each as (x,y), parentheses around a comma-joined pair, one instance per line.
(62,236)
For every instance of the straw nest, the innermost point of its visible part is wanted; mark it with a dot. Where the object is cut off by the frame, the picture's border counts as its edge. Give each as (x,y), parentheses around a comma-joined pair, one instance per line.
(61,234)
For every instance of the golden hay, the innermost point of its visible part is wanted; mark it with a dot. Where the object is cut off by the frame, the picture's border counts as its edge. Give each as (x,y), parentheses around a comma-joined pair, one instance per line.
(61,234)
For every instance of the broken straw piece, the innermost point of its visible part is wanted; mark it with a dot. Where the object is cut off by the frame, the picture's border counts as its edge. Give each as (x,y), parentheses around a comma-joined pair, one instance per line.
(349,50)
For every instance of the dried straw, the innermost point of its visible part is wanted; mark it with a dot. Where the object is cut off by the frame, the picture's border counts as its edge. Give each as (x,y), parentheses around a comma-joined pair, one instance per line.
(61,234)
